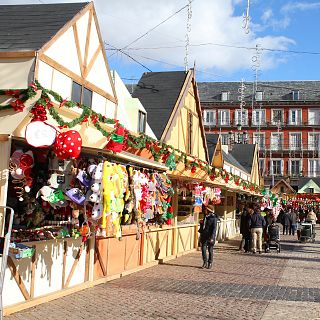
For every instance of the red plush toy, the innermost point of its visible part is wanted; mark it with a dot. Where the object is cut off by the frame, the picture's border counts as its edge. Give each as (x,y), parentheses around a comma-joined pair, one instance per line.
(117,140)
(68,145)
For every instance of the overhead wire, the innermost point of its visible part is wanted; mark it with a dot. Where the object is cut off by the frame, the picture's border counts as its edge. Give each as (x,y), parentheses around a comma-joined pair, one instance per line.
(225,45)
(155,27)
(261,83)
(133,59)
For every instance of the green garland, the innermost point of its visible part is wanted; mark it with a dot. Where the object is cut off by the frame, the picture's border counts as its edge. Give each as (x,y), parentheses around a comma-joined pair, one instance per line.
(157,148)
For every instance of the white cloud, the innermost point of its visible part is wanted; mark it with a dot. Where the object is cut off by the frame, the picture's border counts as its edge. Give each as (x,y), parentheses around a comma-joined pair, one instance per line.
(267,15)
(122,21)
(212,21)
(303,6)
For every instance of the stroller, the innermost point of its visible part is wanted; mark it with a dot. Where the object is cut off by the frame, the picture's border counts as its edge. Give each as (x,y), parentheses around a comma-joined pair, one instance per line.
(307,232)
(273,238)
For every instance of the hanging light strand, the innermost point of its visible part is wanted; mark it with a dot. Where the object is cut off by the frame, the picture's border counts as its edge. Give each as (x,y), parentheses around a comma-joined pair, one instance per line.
(189,16)
(246,19)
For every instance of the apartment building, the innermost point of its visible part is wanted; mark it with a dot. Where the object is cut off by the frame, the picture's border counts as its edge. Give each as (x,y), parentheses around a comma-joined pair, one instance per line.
(282,117)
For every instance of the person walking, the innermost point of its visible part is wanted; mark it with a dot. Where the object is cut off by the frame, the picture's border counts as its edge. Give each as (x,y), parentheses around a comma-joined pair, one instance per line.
(286,222)
(207,232)
(257,223)
(293,220)
(245,231)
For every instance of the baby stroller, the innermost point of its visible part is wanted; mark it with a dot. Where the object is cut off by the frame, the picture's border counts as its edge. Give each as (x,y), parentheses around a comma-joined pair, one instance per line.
(307,232)
(273,238)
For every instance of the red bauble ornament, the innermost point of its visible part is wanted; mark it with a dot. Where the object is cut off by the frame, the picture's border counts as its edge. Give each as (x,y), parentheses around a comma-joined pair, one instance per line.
(212,177)
(17,105)
(165,156)
(193,169)
(68,145)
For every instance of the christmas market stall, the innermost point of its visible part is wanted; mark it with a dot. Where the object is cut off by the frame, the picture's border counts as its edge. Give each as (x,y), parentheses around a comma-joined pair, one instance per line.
(238,176)
(81,205)
(62,165)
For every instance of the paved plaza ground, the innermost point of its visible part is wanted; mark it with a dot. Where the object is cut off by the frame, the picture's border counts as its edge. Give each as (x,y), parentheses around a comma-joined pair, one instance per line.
(240,286)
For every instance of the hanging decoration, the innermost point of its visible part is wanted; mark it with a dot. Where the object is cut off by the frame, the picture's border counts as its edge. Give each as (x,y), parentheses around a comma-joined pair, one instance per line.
(68,145)
(118,139)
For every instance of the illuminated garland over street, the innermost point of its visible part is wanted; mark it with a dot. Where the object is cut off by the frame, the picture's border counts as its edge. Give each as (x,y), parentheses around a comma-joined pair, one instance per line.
(169,155)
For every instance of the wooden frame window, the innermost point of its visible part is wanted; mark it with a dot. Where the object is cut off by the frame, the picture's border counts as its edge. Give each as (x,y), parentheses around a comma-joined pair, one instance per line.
(142,121)
(189,132)
(81,94)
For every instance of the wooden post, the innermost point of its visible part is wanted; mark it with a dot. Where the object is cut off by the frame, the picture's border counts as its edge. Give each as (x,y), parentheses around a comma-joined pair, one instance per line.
(33,271)
(225,211)
(175,203)
(142,246)
(5,150)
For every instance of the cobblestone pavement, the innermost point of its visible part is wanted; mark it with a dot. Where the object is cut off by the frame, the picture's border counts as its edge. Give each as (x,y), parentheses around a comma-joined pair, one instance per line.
(240,286)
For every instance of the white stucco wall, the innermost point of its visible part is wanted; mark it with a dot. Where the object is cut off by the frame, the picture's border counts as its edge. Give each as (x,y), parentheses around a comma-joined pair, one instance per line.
(128,107)
(16,73)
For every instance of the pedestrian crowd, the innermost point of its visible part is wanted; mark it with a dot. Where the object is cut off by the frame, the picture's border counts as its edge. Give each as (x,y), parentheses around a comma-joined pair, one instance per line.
(254,224)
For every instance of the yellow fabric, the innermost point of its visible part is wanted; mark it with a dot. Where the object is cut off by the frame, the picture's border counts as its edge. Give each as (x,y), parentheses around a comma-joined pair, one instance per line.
(107,190)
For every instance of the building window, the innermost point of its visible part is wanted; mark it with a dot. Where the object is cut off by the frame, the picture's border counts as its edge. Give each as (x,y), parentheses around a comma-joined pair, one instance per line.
(258,117)
(314,168)
(209,117)
(224,117)
(259,95)
(225,96)
(276,167)
(314,117)
(190,132)
(314,141)
(225,137)
(241,117)
(277,116)
(81,94)
(310,190)
(295,116)
(262,166)
(295,167)
(258,138)
(295,94)
(295,141)
(142,120)
(276,141)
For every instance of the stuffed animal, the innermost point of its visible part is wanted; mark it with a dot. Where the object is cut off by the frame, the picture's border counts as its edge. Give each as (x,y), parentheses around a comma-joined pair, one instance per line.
(95,192)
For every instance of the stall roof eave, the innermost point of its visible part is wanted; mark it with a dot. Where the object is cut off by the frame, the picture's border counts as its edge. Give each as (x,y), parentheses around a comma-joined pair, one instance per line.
(10,120)
(127,158)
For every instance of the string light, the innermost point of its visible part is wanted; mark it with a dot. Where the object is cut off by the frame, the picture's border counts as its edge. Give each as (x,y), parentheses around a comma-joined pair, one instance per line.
(246,19)
(189,16)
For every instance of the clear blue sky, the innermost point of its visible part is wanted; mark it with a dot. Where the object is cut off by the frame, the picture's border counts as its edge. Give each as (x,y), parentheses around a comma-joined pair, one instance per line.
(274,24)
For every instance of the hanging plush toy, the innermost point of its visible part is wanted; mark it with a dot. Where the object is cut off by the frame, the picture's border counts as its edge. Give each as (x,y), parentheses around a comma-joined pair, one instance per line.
(95,193)
(68,145)
(39,134)
(116,142)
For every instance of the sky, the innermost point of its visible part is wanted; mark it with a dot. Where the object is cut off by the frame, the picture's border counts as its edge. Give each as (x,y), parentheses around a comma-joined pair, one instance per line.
(220,48)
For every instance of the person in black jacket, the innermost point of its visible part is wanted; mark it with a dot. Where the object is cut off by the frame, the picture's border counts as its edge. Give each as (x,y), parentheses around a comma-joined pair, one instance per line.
(208,229)
(245,231)
(257,223)
(286,221)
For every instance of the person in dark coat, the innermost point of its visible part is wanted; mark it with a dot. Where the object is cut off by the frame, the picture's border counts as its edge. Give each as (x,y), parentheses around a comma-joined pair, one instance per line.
(293,222)
(286,222)
(208,229)
(245,231)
